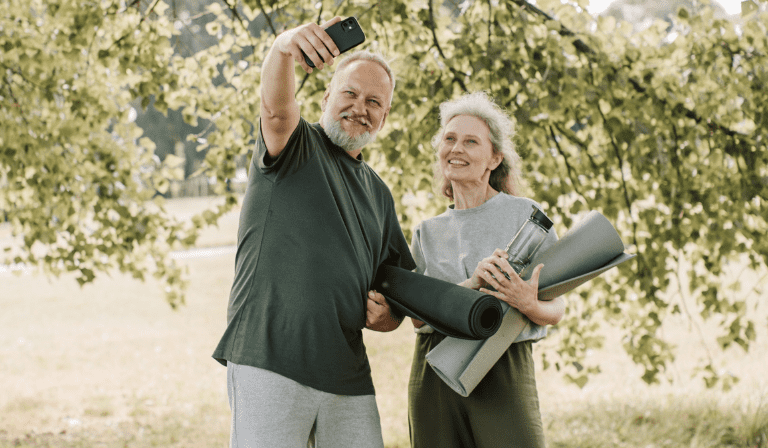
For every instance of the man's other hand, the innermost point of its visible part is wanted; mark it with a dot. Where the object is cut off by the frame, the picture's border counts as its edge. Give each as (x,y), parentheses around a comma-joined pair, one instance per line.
(379,316)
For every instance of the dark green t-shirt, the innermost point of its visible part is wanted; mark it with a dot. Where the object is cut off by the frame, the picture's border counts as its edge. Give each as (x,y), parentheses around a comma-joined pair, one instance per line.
(314,227)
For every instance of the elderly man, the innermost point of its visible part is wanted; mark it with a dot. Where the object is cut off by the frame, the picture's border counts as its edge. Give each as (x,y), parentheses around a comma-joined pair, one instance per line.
(316,224)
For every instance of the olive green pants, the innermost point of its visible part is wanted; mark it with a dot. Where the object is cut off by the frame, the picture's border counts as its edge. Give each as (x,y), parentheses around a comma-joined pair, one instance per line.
(502,411)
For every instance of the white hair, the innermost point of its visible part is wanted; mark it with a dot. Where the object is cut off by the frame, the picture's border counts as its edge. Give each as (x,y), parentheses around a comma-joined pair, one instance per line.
(506,177)
(365,55)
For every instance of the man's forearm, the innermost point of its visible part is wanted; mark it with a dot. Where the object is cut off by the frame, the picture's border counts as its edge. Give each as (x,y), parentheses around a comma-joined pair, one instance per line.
(277,85)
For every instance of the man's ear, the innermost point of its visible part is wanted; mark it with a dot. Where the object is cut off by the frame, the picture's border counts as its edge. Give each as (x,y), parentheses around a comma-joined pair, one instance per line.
(386,114)
(324,101)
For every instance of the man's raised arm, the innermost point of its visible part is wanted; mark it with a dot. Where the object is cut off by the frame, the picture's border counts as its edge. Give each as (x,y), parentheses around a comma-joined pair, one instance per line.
(279,109)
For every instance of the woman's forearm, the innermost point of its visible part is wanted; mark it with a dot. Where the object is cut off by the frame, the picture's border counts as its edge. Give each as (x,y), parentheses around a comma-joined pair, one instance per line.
(470,283)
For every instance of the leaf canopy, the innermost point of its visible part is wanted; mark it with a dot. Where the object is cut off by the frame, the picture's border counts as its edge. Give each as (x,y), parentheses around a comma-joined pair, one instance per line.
(663,131)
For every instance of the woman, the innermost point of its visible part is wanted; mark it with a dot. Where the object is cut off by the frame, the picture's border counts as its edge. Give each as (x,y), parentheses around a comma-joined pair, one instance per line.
(478,169)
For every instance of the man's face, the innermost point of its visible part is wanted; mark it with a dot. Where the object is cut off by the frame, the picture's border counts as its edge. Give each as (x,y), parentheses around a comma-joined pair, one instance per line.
(358,99)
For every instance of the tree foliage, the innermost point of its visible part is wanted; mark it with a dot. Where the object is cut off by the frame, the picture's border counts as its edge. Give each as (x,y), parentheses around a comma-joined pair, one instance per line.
(642,13)
(663,132)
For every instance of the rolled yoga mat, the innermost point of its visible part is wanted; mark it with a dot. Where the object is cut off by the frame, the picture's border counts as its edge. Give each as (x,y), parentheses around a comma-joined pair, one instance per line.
(587,250)
(450,309)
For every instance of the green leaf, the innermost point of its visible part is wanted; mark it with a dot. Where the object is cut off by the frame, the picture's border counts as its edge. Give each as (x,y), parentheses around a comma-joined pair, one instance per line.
(748,7)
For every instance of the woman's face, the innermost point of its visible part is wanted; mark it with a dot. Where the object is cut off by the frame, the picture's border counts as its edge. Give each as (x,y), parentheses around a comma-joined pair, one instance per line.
(465,152)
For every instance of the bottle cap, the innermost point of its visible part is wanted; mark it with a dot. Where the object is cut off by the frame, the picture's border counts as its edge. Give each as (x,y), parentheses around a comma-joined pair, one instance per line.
(541,218)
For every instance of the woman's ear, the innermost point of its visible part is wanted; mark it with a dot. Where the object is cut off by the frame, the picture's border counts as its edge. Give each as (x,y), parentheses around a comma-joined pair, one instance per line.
(496,160)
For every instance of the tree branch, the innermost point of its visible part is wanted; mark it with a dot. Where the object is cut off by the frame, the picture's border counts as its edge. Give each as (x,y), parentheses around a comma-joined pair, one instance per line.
(585,149)
(676,163)
(565,159)
(440,50)
(381,20)
(16,102)
(687,311)
(21,75)
(627,200)
(143,18)
(675,216)
(306,75)
(266,16)
(236,15)
(368,10)
(585,49)
(488,49)
(578,43)
(339,5)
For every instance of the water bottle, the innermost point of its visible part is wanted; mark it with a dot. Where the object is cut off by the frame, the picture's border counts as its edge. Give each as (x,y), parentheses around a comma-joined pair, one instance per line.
(528,239)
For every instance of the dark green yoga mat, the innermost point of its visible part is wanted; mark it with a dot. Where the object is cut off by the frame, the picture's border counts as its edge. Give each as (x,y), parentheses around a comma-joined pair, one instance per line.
(450,309)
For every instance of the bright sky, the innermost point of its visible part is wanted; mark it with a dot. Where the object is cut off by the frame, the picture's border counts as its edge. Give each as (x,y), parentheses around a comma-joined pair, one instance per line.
(730,6)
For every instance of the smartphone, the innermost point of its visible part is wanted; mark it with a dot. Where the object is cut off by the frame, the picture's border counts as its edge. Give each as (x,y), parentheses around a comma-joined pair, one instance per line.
(346,34)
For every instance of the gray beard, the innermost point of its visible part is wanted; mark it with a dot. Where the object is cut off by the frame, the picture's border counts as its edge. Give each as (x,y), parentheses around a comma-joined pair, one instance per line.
(339,136)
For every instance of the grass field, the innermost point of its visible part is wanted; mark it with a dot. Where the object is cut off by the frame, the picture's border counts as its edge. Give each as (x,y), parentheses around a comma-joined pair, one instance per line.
(111,365)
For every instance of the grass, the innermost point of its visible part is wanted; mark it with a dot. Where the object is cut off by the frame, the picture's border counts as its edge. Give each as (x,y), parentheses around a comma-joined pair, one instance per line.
(111,365)
(658,421)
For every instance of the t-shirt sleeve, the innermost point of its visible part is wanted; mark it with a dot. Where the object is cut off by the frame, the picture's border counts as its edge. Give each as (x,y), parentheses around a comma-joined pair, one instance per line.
(297,150)
(398,252)
(417,252)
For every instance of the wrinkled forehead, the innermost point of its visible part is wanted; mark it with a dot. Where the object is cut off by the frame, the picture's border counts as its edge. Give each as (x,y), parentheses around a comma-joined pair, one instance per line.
(364,75)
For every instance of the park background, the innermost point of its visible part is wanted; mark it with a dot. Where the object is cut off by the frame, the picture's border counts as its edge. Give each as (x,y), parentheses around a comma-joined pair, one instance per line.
(96,351)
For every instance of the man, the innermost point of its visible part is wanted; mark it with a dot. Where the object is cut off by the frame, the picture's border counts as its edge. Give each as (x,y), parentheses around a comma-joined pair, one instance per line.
(315,225)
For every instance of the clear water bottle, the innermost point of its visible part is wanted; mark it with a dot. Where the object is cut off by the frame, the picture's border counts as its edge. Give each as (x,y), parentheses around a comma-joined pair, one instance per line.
(528,239)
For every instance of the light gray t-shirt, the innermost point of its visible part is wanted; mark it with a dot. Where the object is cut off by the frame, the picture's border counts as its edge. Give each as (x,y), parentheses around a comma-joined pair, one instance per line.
(450,245)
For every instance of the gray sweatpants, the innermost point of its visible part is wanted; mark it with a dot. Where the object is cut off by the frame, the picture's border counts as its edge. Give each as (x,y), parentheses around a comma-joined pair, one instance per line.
(272,411)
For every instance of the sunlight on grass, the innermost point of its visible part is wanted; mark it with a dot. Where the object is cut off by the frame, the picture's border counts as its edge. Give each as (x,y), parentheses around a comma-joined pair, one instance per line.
(111,365)
(670,421)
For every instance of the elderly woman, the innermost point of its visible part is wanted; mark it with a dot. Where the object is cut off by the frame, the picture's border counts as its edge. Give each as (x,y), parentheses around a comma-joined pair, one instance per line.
(478,169)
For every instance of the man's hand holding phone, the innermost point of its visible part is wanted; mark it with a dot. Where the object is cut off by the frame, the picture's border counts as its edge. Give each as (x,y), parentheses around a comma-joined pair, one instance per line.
(315,46)
(310,39)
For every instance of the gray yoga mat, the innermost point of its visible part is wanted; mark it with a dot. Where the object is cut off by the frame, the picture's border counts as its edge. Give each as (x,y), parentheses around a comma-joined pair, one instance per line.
(587,250)
(450,309)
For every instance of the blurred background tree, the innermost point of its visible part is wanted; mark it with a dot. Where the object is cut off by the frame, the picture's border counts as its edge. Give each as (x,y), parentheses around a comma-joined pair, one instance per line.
(642,13)
(662,128)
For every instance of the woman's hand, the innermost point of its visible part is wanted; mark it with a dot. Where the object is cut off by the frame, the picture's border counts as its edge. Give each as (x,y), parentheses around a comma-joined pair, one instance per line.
(478,279)
(496,272)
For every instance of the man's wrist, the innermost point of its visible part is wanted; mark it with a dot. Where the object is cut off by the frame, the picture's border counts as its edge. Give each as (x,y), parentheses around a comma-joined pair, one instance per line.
(394,316)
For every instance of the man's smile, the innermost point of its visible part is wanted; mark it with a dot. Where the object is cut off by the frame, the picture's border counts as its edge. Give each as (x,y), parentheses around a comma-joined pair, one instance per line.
(359,121)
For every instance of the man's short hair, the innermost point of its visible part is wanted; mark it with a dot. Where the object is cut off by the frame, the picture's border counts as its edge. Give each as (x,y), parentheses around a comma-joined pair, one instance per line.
(365,55)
